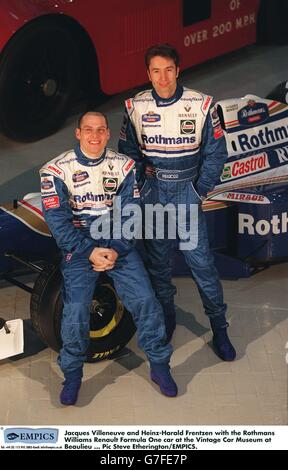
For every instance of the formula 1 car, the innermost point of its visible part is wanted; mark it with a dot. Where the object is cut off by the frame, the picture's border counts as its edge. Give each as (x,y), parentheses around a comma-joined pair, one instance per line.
(247,217)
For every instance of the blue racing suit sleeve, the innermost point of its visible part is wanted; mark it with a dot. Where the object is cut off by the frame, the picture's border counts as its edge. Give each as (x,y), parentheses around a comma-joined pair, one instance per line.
(129,194)
(128,144)
(213,156)
(59,218)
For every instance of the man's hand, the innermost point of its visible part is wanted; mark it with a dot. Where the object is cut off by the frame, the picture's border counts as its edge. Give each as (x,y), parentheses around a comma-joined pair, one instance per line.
(103,259)
(113,255)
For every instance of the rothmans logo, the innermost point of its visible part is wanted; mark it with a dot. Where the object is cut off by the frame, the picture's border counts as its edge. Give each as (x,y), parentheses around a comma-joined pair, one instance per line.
(46,184)
(151,117)
(253,113)
(160,139)
(79,176)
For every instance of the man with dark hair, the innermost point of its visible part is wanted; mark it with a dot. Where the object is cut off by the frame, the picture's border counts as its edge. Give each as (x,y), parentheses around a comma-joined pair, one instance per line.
(76,190)
(174,135)
(162,50)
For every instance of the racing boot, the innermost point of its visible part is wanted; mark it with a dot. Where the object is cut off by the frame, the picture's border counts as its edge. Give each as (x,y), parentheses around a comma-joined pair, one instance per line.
(72,384)
(160,374)
(70,391)
(221,342)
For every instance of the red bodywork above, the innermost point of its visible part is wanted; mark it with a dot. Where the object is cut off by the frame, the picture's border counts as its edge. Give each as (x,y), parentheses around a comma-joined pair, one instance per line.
(121,31)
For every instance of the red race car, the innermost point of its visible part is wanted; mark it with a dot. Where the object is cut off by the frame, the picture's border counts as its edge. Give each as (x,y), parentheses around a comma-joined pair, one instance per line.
(52,52)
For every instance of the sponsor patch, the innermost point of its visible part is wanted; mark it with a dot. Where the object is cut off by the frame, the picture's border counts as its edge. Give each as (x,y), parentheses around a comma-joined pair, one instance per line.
(127,167)
(187,115)
(187,126)
(218,132)
(47,185)
(214,117)
(110,184)
(111,174)
(51,202)
(151,117)
(79,176)
(207,103)
(56,171)
(79,185)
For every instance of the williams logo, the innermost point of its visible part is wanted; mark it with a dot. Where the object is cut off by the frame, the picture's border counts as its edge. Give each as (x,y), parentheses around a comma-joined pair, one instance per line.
(151,117)
(110,184)
(80,176)
(187,126)
(31,436)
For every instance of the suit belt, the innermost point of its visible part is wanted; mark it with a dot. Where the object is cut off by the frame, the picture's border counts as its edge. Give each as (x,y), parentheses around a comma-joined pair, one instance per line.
(171,175)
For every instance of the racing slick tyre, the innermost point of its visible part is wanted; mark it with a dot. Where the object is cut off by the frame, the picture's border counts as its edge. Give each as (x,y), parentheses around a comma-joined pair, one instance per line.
(279,93)
(111,325)
(39,77)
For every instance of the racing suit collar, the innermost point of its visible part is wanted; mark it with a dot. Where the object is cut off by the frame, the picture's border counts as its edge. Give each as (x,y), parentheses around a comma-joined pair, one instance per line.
(81,157)
(168,101)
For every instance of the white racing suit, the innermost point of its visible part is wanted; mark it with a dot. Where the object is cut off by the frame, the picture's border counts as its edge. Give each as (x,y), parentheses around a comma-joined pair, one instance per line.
(179,149)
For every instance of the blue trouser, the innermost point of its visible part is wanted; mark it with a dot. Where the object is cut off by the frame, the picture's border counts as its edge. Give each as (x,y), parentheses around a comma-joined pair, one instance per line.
(134,289)
(199,259)
(201,263)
